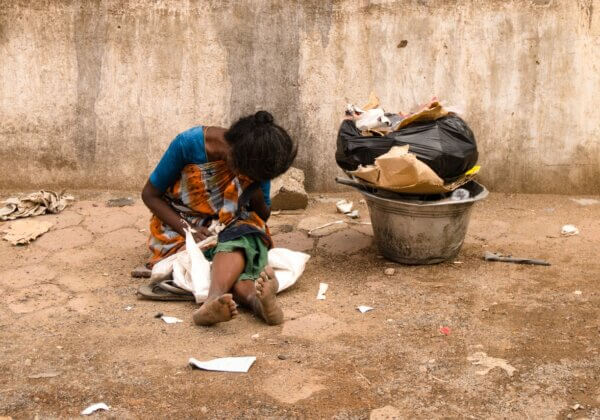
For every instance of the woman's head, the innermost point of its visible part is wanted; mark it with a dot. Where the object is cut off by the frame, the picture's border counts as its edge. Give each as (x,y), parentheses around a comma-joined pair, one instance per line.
(260,148)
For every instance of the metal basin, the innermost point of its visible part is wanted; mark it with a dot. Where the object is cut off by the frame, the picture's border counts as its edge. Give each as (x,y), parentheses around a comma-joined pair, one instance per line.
(422,232)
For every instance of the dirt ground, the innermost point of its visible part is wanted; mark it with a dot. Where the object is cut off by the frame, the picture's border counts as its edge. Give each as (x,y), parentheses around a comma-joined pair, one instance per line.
(522,342)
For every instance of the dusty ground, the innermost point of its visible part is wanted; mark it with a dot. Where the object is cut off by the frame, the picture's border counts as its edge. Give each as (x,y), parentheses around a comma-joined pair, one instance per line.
(64,318)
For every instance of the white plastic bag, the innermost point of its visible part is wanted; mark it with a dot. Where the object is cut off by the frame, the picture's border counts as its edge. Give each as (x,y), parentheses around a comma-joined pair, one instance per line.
(190,270)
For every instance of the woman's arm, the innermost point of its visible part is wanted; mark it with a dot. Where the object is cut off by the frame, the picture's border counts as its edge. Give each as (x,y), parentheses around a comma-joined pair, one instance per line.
(152,197)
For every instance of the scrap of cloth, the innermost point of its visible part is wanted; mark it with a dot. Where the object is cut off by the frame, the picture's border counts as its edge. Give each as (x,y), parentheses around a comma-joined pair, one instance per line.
(203,193)
(34,204)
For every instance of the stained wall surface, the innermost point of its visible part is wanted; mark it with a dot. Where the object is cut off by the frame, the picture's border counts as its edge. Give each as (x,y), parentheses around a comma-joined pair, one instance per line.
(92,92)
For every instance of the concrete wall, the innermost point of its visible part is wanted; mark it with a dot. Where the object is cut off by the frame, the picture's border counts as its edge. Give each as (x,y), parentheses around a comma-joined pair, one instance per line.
(91,92)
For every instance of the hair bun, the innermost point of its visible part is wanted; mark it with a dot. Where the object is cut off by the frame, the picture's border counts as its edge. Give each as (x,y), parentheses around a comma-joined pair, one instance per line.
(263,117)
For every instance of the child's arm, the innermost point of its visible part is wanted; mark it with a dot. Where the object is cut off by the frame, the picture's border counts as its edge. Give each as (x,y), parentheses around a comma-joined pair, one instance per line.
(258,205)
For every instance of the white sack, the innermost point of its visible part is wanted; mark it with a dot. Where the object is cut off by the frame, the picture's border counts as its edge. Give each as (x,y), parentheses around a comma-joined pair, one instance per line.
(190,270)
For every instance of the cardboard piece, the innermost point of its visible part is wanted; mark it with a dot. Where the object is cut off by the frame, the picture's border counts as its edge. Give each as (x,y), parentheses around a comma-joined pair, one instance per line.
(400,171)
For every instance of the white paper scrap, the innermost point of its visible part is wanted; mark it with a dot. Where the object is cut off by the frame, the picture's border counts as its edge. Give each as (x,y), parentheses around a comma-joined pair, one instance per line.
(93,408)
(578,292)
(322,289)
(364,309)
(225,364)
(569,230)
(344,206)
(170,319)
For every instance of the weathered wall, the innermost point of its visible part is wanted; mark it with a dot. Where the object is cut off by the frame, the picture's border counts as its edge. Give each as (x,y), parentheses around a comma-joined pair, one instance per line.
(91,92)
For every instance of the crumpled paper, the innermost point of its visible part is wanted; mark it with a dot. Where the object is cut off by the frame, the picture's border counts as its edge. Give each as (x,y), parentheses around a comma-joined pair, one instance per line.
(34,204)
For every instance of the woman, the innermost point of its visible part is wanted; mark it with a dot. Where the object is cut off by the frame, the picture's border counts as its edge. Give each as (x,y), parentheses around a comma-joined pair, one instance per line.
(212,173)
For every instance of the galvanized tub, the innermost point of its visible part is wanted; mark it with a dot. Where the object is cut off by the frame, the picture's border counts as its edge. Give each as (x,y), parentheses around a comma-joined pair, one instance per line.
(421,232)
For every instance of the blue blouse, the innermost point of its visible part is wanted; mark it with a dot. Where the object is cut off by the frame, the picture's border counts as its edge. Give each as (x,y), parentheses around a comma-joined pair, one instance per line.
(188,147)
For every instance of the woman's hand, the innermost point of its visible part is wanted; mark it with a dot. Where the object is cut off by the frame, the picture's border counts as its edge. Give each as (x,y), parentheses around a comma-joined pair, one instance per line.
(202,232)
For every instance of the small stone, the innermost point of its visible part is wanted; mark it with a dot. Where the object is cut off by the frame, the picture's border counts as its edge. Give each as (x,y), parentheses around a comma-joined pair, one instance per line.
(255,336)
(27,362)
(577,407)
(423,369)
(158,315)
(120,202)
(204,409)
(380,392)
(282,357)
(389,271)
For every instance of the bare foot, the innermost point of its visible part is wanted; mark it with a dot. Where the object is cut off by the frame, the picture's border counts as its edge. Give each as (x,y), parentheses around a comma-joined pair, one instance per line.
(217,310)
(265,304)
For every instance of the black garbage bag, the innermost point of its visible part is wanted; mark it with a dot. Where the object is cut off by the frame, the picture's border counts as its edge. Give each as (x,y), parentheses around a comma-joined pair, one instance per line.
(446,145)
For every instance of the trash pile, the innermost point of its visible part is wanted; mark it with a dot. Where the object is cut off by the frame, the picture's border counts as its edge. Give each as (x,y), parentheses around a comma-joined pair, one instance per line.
(427,151)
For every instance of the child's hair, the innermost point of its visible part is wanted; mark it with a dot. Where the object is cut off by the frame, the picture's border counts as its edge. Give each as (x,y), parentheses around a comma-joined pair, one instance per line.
(261,149)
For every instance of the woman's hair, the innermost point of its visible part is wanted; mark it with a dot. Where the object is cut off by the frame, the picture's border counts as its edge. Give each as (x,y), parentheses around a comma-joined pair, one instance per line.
(261,149)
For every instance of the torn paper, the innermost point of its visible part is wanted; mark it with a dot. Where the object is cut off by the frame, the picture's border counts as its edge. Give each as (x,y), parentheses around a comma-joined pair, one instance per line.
(322,289)
(224,364)
(22,232)
(93,408)
(170,319)
(362,309)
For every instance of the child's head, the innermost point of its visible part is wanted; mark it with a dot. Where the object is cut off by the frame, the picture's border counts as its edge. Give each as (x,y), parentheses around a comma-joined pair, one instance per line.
(261,149)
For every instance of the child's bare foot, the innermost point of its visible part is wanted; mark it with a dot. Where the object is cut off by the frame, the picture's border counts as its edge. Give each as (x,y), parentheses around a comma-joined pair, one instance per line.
(265,304)
(217,310)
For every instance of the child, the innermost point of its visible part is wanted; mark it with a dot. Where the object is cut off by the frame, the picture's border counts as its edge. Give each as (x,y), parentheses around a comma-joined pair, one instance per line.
(201,177)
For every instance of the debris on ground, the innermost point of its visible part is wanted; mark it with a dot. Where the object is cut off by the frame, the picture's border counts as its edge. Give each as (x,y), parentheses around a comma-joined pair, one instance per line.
(22,232)
(445,330)
(44,375)
(490,256)
(585,201)
(389,271)
(224,364)
(362,309)
(141,272)
(344,206)
(577,407)
(287,191)
(569,230)
(95,407)
(354,214)
(158,315)
(120,202)
(322,289)
(170,319)
(34,204)
(282,357)
(482,359)
(337,222)
(578,292)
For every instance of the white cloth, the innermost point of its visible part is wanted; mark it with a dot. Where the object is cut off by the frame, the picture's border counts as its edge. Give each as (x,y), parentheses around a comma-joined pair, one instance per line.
(191,270)
(34,204)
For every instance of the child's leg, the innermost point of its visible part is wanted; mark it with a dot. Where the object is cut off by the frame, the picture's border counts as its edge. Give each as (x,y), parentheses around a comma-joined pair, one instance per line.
(220,307)
(260,296)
